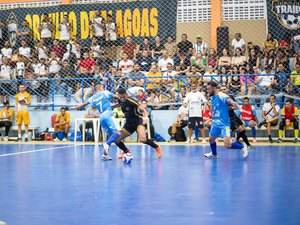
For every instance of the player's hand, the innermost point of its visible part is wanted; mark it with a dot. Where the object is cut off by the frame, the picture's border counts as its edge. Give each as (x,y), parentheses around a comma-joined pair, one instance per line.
(273,105)
(145,120)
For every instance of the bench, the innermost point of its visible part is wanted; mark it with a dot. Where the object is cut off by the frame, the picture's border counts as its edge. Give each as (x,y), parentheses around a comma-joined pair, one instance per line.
(31,128)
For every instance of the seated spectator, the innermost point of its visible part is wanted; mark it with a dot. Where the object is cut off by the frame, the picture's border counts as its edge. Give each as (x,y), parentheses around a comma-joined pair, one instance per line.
(253,60)
(154,78)
(182,120)
(256,48)
(171,47)
(140,95)
(223,76)
(199,61)
(136,78)
(145,46)
(25,50)
(295,76)
(199,46)
(126,65)
(212,59)
(7,51)
(283,58)
(290,118)
(106,77)
(118,113)
(194,76)
(185,47)
(144,61)
(238,42)
(270,43)
(296,60)
(169,78)
(73,51)
(164,61)
(247,82)
(91,112)
(54,64)
(184,64)
(209,74)
(266,78)
(42,50)
(153,100)
(119,80)
(225,59)
(270,59)
(248,116)
(235,81)
(62,123)
(96,49)
(5,77)
(6,118)
(103,61)
(129,48)
(157,50)
(281,79)
(238,59)
(59,49)
(269,114)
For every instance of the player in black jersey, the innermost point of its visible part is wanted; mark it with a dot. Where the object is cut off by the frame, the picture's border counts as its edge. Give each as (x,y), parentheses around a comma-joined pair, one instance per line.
(135,115)
(236,124)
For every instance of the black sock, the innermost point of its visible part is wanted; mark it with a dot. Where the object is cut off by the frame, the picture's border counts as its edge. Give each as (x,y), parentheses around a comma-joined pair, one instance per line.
(270,137)
(55,135)
(245,138)
(122,146)
(66,135)
(151,143)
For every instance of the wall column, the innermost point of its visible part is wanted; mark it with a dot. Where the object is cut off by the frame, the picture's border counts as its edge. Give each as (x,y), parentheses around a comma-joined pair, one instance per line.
(216,20)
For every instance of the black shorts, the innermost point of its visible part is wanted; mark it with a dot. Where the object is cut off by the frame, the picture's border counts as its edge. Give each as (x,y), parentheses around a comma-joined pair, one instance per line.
(274,124)
(235,123)
(184,123)
(195,121)
(132,126)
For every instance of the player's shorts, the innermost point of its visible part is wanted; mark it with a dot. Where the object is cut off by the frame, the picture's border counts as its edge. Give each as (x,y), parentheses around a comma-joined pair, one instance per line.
(193,121)
(132,126)
(235,123)
(23,117)
(184,123)
(216,131)
(107,123)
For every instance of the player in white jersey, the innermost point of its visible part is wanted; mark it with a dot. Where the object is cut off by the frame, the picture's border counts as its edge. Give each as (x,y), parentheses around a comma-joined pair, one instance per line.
(195,100)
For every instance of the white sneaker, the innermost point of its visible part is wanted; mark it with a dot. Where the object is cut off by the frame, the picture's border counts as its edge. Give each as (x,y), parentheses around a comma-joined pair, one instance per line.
(56,140)
(64,139)
(5,138)
(188,141)
(106,157)
(210,155)
(105,148)
(244,151)
(203,141)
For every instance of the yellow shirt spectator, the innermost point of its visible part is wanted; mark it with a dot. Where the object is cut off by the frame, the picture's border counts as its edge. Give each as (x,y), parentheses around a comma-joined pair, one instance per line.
(118,113)
(295,76)
(153,83)
(63,118)
(5,113)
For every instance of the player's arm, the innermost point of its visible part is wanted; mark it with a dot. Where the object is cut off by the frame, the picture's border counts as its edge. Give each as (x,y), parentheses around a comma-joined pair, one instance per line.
(28,102)
(233,103)
(276,113)
(79,106)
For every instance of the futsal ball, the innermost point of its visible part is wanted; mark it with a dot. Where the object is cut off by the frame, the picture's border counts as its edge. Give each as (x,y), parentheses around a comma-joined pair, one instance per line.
(127,158)
(291,21)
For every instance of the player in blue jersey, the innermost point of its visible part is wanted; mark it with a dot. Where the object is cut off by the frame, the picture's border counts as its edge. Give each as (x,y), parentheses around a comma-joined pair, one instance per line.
(101,101)
(221,121)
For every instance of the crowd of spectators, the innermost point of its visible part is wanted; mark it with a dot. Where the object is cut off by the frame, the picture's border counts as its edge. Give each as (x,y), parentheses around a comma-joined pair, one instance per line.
(159,72)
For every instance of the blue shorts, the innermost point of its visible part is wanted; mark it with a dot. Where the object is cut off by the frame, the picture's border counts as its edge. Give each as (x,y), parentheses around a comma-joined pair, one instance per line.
(216,131)
(108,124)
(247,122)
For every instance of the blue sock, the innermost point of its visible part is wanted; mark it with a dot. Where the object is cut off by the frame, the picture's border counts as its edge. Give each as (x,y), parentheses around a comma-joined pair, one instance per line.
(236,145)
(253,132)
(196,129)
(213,147)
(112,138)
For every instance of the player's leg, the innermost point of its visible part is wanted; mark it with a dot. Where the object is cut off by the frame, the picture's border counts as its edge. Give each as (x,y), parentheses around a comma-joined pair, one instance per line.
(173,131)
(201,126)
(296,130)
(214,132)
(271,122)
(66,130)
(141,131)
(119,142)
(191,127)
(242,134)
(19,122)
(280,131)
(26,124)
(56,128)
(196,130)
(252,124)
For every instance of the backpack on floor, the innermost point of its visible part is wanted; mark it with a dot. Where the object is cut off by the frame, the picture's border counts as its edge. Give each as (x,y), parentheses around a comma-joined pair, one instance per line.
(180,134)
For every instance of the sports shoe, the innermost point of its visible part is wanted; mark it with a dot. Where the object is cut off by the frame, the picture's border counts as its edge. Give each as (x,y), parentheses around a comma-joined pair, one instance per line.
(120,156)
(210,155)
(254,140)
(159,152)
(106,157)
(56,140)
(279,140)
(64,139)
(250,147)
(270,140)
(19,139)
(172,140)
(188,141)
(203,141)
(244,152)
(105,148)
(26,140)
(295,140)
(5,138)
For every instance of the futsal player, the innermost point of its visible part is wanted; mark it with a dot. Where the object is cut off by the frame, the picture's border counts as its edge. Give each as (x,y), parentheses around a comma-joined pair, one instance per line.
(133,112)
(221,122)
(101,101)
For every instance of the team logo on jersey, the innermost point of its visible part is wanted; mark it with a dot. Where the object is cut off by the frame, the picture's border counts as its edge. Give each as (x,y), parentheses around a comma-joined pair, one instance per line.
(287,13)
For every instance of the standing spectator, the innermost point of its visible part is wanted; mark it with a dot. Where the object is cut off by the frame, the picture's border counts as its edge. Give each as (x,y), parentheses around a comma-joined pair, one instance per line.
(269,114)
(12,28)
(2,34)
(126,65)
(62,123)
(5,77)
(64,29)
(144,61)
(23,100)
(98,27)
(73,50)
(238,59)
(54,64)
(45,28)
(157,50)
(289,115)
(248,116)
(25,50)
(6,117)
(24,33)
(129,48)
(59,49)
(200,46)
(42,50)
(195,100)
(7,51)
(96,49)
(270,43)
(225,59)
(136,78)
(170,46)
(238,42)
(185,47)
(91,112)
(111,37)
(164,61)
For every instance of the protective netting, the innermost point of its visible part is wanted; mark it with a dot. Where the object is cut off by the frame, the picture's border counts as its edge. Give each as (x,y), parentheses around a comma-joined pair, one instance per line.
(155,49)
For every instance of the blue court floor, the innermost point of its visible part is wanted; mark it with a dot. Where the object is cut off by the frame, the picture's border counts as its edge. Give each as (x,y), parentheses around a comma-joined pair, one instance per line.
(70,185)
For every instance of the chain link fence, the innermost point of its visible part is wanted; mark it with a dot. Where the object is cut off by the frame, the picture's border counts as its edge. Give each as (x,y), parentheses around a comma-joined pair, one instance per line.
(155,49)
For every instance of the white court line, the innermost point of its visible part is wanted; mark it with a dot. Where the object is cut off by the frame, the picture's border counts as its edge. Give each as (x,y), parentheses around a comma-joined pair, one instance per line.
(38,150)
